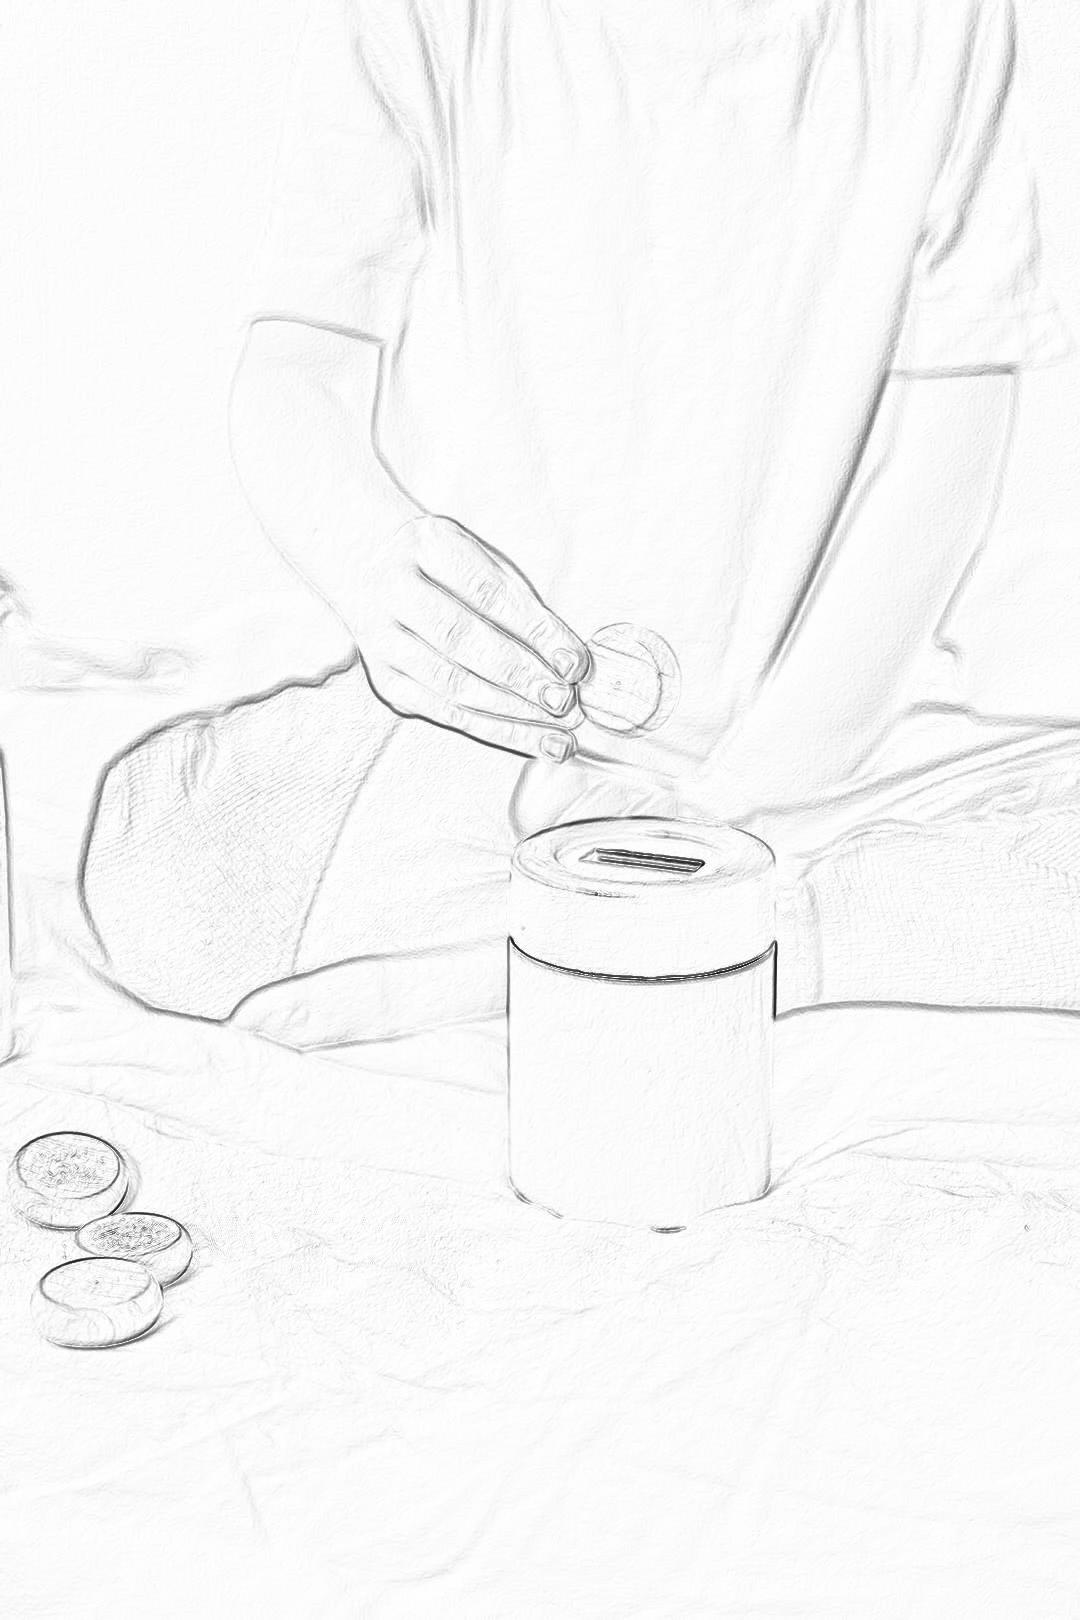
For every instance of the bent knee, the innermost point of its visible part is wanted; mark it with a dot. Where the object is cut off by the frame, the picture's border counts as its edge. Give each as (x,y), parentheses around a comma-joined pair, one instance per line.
(149,882)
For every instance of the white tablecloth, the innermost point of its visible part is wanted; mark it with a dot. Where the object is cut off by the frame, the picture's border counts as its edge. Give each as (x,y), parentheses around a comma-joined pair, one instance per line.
(389,1390)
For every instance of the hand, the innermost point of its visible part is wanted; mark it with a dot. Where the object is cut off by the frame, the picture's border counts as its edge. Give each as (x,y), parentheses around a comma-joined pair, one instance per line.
(450,631)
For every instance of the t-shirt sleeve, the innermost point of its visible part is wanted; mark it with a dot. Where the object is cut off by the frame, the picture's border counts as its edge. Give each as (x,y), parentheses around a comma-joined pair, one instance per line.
(346,230)
(979,299)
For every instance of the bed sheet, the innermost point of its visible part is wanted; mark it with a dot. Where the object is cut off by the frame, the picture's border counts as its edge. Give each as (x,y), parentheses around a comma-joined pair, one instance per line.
(388,1389)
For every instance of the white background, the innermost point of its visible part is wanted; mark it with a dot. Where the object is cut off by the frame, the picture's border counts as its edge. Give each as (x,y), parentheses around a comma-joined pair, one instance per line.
(139,143)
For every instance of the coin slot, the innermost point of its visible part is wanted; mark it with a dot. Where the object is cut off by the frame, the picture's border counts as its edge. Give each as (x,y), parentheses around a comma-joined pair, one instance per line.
(647,859)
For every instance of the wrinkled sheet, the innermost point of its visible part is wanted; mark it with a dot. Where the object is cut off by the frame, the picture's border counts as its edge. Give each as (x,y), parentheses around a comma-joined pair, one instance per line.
(389,1389)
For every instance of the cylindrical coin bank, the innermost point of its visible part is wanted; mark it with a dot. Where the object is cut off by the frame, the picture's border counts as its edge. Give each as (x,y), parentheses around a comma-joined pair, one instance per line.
(642,973)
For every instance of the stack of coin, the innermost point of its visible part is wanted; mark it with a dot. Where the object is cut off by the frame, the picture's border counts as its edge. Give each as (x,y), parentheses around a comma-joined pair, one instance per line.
(72,1181)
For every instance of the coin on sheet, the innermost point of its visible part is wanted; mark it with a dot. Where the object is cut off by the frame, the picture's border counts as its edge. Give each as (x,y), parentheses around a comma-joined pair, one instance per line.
(67,1178)
(158,1242)
(93,1304)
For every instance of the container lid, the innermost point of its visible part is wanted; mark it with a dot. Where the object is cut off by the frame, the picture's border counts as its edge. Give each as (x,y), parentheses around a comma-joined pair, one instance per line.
(642,897)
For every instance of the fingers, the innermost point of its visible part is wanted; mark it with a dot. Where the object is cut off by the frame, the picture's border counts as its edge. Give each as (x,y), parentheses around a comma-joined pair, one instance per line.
(537,740)
(453,683)
(469,645)
(494,588)
(439,620)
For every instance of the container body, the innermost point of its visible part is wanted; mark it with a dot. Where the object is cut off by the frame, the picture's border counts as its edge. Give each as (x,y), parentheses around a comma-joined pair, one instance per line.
(639,1100)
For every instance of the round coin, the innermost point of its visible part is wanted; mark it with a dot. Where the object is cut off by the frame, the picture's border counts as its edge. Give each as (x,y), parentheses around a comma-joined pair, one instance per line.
(67,1178)
(94,1304)
(161,1244)
(633,680)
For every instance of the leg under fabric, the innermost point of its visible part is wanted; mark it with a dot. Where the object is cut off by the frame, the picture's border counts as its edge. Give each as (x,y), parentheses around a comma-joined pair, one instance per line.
(960,887)
(954,884)
(254,848)
(208,839)
(422,861)
(408,930)
(236,850)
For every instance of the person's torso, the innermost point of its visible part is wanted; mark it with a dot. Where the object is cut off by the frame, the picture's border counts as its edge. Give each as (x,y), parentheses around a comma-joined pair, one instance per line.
(670,251)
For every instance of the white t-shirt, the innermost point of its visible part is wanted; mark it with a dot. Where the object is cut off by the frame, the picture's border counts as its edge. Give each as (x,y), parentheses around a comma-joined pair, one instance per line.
(640,269)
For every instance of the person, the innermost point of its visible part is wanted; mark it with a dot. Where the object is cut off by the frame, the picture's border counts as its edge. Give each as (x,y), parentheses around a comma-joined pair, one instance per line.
(705,319)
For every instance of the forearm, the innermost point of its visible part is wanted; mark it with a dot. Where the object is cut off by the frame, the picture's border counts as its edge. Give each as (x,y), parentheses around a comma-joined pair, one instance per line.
(449,630)
(920,509)
(300,427)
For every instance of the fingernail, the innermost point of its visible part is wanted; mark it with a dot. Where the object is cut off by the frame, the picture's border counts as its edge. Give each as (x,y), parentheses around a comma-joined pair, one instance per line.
(566,663)
(556,698)
(557,747)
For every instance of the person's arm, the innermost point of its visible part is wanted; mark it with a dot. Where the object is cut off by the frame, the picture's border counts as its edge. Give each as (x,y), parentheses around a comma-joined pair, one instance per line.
(922,505)
(979,310)
(448,629)
(299,427)
(298,409)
